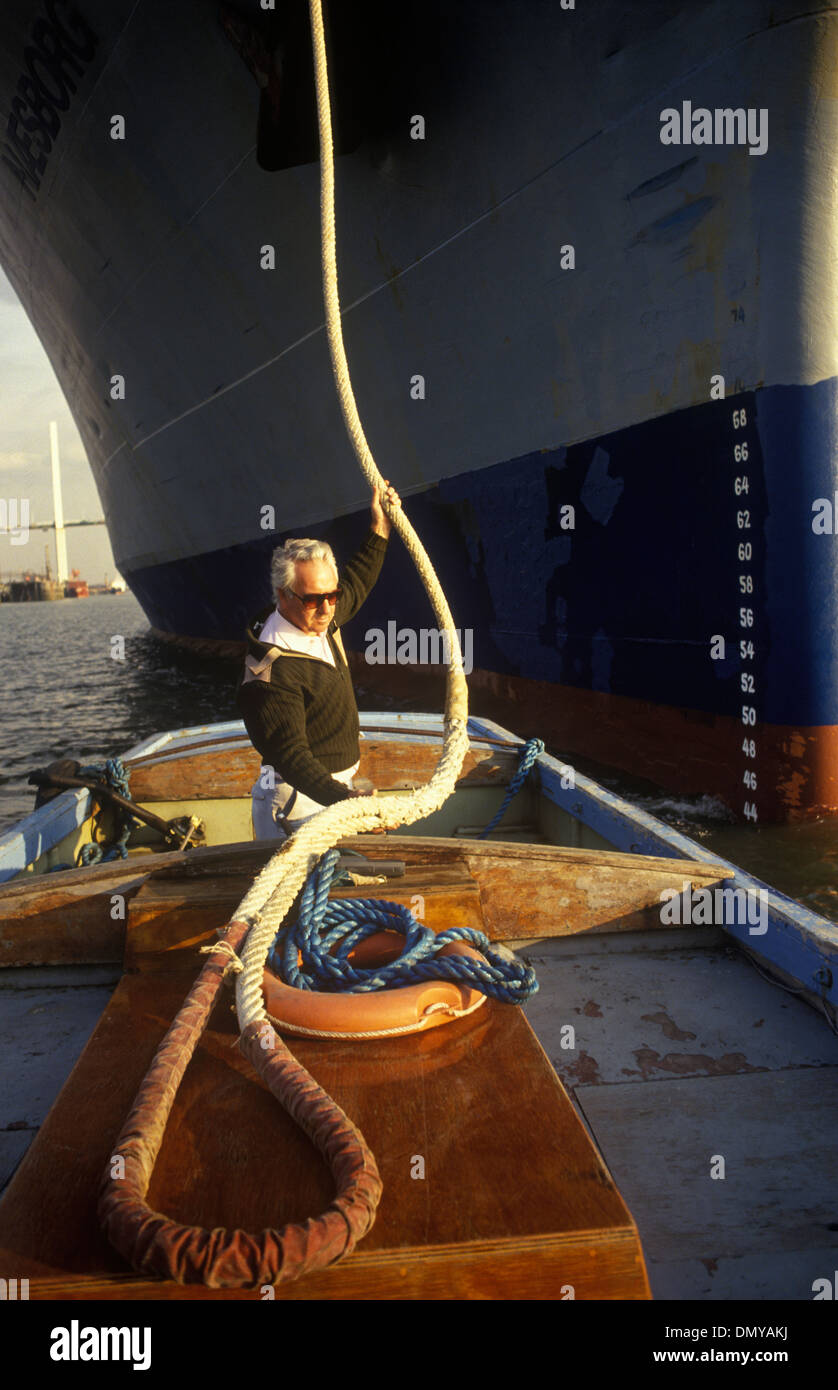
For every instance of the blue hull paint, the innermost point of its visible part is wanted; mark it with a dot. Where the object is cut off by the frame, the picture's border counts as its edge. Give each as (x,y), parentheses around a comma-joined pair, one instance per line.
(627,602)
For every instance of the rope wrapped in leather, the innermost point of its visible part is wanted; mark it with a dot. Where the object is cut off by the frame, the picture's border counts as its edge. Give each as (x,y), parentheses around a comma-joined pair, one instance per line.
(154,1244)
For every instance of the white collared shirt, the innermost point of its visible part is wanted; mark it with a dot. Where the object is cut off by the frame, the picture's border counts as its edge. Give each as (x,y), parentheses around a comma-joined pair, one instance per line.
(277,631)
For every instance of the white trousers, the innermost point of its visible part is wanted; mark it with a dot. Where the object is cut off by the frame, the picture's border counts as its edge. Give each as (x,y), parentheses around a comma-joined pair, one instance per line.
(268,803)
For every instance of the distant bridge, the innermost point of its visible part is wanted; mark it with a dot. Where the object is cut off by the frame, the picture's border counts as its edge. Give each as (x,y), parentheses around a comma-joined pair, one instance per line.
(50,525)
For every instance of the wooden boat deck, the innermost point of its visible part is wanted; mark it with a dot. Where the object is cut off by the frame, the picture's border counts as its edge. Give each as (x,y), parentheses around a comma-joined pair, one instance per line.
(489,1219)
(681,1053)
(515,1202)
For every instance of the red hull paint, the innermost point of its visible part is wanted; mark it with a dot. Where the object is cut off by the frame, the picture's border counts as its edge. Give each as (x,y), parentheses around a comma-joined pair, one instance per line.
(687,752)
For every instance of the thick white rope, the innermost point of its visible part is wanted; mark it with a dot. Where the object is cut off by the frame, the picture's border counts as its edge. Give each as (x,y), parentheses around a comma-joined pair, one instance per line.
(276,887)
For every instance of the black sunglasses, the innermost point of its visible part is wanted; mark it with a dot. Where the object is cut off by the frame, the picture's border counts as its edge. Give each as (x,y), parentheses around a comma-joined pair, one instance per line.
(315,600)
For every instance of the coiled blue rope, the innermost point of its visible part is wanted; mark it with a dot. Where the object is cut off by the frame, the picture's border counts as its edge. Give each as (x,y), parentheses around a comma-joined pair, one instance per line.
(531,751)
(313,953)
(115,775)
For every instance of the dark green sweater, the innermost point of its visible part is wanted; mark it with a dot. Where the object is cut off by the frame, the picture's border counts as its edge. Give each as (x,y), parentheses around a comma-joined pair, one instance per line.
(304,719)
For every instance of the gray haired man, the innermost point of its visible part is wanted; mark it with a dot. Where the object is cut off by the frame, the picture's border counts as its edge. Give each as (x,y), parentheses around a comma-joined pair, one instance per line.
(295,694)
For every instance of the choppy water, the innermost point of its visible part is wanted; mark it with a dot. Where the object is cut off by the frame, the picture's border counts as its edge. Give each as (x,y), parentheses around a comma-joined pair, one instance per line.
(63,695)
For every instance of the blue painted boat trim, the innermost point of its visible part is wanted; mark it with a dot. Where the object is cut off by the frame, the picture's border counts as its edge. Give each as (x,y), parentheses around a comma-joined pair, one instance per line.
(42,831)
(798,941)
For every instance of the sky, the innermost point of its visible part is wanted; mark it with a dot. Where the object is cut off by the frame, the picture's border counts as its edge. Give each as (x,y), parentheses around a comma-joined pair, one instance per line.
(29,398)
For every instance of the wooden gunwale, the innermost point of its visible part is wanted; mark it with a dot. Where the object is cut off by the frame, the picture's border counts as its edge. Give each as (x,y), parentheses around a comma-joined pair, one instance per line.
(176,750)
(525,892)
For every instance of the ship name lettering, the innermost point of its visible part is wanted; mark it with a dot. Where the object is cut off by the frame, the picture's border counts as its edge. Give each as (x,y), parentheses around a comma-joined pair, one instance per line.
(61,45)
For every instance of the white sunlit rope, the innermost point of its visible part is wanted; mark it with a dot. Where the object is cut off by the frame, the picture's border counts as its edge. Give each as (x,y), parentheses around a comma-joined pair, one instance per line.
(270,898)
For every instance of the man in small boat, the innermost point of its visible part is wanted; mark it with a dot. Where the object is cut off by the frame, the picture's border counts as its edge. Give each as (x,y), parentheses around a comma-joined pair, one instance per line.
(296,696)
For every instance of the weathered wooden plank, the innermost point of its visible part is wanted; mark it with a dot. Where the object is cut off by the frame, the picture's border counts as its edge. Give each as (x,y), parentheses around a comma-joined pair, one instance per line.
(515,1201)
(242,856)
(557,898)
(536,1270)
(59,923)
(526,890)
(443,849)
(245,855)
(195,776)
(230,773)
(234,739)
(531,891)
(172,915)
(67,918)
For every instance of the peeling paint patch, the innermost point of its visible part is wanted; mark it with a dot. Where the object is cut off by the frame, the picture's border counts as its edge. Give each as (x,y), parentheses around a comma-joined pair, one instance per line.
(583,1072)
(669,1027)
(662,180)
(682,1063)
(600,493)
(674,225)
